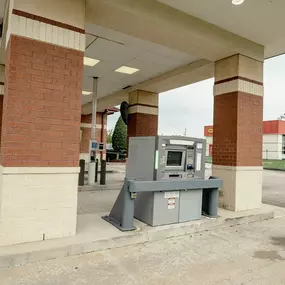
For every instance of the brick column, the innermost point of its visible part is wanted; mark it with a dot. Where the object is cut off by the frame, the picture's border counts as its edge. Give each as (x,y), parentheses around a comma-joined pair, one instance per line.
(1,107)
(237,138)
(2,77)
(143,114)
(40,127)
(85,129)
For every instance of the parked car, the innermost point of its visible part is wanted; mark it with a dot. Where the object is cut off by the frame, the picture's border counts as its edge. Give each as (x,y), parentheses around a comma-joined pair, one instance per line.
(112,155)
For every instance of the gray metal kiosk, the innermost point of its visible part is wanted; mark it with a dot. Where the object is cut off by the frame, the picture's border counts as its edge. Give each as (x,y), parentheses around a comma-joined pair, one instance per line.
(165,181)
(167,158)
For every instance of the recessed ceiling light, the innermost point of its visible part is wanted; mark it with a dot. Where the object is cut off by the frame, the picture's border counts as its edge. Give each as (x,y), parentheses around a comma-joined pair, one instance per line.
(237,2)
(127,70)
(86,93)
(90,61)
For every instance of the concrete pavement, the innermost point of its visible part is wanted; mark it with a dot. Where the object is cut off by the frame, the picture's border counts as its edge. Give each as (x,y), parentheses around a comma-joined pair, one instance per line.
(95,234)
(93,204)
(252,254)
(273,191)
(114,178)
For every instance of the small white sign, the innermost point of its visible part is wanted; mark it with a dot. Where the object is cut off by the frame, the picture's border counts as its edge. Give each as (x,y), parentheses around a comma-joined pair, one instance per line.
(181,142)
(199,145)
(171,203)
(198,161)
(168,195)
(156,159)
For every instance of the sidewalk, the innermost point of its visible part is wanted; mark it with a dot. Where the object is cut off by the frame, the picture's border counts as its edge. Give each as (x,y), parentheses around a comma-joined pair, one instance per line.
(249,254)
(95,234)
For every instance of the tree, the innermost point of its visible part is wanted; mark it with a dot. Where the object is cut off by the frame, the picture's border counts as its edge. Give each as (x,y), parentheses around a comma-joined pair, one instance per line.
(109,136)
(119,138)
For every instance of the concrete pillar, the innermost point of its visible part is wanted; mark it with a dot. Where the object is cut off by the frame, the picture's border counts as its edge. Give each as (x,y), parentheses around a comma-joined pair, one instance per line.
(238,127)
(143,114)
(103,134)
(41,120)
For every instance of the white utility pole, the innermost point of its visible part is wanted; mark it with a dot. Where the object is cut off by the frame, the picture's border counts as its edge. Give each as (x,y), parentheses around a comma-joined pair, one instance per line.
(92,164)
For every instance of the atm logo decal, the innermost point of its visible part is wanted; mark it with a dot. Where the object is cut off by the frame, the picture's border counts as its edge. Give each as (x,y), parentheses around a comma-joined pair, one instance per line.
(210,131)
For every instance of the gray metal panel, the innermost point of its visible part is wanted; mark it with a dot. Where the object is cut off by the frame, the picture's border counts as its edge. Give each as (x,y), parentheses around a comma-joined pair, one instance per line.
(140,163)
(156,159)
(144,207)
(161,214)
(190,205)
(202,153)
(122,213)
(166,140)
(170,185)
(181,138)
(141,158)
(150,205)
(141,166)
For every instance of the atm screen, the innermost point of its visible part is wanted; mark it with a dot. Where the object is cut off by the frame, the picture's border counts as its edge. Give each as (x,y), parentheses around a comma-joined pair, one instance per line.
(94,145)
(174,158)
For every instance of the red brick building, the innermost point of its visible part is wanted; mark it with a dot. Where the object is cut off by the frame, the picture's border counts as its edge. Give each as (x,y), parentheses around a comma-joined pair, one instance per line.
(273,141)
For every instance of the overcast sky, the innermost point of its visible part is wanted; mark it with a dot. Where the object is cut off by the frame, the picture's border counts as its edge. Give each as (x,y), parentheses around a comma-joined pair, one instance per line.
(191,107)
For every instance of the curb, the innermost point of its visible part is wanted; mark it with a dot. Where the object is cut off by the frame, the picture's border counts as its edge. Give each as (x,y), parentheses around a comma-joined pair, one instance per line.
(107,171)
(138,237)
(274,169)
(115,186)
(265,168)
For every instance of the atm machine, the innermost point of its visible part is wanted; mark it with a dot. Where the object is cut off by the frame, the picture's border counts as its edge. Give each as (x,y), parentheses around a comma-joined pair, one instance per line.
(167,158)
(94,147)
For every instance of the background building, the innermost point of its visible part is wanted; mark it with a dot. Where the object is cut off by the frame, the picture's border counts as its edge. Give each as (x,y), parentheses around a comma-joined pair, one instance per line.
(101,132)
(273,139)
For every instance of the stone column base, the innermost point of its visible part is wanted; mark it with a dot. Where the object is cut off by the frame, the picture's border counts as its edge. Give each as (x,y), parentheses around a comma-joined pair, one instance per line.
(242,188)
(143,114)
(37,203)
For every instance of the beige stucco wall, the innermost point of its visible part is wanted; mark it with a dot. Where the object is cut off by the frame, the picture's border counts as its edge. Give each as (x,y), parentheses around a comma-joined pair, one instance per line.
(37,203)
(158,23)
(239,65)
(143,97)
(242,187)
(71,12)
